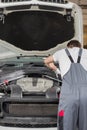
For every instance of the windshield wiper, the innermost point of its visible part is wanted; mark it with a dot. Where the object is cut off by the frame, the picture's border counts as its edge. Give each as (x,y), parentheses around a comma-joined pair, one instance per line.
(20,56)
(6,64)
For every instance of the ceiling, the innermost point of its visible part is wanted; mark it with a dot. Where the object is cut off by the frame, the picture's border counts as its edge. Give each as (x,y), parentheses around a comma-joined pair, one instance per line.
(83,5)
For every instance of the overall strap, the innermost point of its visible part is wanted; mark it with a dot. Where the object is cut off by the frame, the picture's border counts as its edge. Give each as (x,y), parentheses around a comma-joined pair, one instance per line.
(79,55)
(70,57)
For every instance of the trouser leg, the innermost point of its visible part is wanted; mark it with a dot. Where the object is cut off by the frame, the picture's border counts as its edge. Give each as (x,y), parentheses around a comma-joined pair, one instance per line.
(67,112)
(83,109)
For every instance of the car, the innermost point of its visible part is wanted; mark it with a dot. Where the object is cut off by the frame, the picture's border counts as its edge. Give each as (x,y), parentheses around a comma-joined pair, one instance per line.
(31,30)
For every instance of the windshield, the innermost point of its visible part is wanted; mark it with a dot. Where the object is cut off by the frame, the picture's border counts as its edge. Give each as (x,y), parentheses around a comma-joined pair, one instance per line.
(36,30)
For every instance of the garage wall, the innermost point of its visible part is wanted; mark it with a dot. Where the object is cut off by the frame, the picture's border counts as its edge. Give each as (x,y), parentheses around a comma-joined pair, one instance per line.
(83,2)
(85,35)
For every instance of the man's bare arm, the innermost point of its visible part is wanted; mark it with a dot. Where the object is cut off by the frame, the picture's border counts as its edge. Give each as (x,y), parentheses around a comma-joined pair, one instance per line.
(49,62)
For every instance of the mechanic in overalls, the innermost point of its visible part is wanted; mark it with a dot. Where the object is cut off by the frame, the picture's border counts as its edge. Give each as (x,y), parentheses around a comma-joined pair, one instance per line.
(72,109)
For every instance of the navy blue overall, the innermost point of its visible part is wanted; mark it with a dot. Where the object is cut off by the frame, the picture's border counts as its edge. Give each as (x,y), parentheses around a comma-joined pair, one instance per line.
(72,109)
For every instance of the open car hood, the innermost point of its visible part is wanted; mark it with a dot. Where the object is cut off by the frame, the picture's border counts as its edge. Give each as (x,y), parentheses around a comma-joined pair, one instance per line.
(37,28)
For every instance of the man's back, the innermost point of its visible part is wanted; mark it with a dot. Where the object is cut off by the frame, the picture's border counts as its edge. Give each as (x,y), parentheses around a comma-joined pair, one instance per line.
(64,61)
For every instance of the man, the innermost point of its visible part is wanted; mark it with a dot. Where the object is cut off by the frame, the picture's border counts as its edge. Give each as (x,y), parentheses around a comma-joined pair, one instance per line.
(72,109)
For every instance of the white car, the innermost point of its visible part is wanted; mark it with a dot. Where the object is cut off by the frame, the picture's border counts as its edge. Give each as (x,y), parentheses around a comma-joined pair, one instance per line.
(31,30)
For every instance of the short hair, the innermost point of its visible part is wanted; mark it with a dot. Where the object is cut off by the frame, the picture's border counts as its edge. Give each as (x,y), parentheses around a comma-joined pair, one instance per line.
(74,43)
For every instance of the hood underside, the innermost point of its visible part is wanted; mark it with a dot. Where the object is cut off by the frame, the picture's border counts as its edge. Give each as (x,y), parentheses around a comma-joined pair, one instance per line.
(36,30)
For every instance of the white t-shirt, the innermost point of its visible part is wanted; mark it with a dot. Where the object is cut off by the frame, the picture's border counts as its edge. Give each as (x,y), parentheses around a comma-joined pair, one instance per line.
(64,62)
